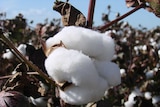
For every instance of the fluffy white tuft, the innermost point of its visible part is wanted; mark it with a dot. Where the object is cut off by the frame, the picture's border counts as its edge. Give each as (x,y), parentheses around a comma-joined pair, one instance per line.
(109,71)
(90,42)
(9,55)
(131,101)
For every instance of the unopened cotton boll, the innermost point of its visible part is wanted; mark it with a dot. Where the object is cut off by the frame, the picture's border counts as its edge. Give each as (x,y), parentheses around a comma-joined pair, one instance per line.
(109,71)
(92,43)
(67,65)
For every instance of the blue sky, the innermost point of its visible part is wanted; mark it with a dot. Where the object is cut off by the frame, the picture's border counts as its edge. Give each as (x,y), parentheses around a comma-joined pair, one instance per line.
(39,10)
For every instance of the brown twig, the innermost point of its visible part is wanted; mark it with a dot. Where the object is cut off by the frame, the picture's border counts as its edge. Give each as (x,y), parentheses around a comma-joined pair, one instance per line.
(90,13)
(102,28)
(30,64)
(9,76)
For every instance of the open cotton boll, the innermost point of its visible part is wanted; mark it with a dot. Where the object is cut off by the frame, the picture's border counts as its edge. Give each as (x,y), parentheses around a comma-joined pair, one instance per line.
(155,99)
(21,48)
(90,42)
(150,74)
(129,104)
(131,101)
(75,67)
(148,95)
(8,55)
(110,71)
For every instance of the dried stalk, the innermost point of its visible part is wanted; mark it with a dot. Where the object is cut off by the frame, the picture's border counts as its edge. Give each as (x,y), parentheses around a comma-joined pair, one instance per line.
(90,13)
(9,76)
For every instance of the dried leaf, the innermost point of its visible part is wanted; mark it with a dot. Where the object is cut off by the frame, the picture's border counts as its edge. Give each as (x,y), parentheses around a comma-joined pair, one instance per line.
(155,5)
(51,49)
(70,15)
(131,3)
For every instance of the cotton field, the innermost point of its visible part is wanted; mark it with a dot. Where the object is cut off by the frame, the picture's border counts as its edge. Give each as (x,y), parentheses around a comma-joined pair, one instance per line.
(119,67)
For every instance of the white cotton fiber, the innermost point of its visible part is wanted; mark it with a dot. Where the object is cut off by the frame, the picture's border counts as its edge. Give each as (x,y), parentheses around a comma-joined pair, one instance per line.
(64,65)
(92,43)
(21,48)
(131,101)
(8,55)
(75,67)
(149,74)
(148,95)
(155,99)
(83,95)
(84,61)
(109,71)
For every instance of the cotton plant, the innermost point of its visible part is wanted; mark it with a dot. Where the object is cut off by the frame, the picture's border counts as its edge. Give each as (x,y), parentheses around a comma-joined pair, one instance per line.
(79,61)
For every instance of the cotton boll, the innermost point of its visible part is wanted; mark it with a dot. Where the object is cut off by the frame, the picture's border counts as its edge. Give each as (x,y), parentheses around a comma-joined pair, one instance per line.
(91,43)
(131,101)
(9,55)
(148,95)
(109,71)
(83,59)
(134,93)
(129,104)
(144,47)
(155,99)
(75,67)
(149,74)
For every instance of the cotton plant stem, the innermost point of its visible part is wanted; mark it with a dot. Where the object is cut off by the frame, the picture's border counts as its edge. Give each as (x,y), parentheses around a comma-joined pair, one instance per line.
(102,28)
(90,13)
(29,63)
